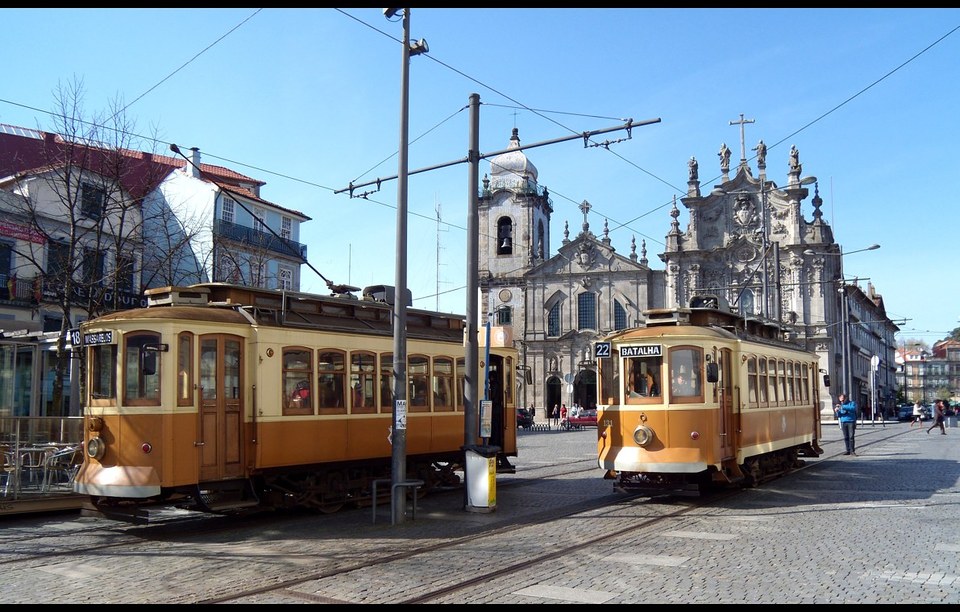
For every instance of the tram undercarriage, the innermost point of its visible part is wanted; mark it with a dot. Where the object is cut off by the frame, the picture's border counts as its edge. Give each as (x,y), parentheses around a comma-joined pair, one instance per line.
(754,470)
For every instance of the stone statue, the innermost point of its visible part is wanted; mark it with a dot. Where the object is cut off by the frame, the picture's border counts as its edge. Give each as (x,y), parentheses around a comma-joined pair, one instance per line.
(794,159)
(693,169)
(724,155)
(761,150)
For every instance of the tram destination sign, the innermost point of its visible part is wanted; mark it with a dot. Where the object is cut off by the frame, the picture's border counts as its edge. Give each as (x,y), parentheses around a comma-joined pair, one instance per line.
(98,338)
(643,350)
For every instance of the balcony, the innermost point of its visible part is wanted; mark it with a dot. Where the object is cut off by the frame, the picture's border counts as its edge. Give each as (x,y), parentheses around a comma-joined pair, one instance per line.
(252,238)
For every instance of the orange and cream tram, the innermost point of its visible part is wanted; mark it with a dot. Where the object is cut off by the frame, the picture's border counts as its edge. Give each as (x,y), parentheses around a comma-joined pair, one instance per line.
(224,397)
(700,397)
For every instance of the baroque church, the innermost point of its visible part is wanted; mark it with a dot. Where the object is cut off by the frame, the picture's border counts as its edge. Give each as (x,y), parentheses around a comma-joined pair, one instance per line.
(746,240)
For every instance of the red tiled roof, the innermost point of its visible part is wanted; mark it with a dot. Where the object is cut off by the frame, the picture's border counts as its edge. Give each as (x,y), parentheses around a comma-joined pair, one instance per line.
(25,150)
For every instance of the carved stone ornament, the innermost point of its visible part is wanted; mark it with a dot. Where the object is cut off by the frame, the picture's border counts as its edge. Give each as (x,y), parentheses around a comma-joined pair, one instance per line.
(744,211)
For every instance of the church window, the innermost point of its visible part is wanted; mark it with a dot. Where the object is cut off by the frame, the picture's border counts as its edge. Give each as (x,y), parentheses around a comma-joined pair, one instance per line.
(553,321)
(504,236)
(587,311)
(619,315)
(504,316)
(541,238)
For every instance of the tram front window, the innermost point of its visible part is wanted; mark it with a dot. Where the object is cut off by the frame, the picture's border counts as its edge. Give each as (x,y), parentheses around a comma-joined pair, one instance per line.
(643,377)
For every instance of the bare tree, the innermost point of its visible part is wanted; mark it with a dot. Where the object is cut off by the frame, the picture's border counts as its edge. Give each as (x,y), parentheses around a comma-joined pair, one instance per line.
(84,204)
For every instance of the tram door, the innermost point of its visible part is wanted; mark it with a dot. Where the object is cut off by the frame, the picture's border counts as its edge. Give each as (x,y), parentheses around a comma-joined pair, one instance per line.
(727,426)
(221,407)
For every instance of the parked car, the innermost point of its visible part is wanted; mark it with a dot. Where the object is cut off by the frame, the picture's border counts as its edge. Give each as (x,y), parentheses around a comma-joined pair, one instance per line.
(585,418)
(524,418)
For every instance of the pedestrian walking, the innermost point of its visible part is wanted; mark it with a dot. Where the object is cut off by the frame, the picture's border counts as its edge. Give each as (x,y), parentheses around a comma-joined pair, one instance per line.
(555,415)
(846,412)
(917,414)
(938,417)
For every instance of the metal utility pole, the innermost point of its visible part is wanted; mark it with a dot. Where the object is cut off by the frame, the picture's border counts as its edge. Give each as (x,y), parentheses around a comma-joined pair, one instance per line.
(471,417)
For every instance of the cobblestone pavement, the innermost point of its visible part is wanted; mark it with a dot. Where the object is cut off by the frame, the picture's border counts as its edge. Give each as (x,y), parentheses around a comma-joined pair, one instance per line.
(878,527)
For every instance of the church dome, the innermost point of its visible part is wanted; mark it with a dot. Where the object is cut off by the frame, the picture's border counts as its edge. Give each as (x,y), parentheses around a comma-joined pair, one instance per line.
(513,167)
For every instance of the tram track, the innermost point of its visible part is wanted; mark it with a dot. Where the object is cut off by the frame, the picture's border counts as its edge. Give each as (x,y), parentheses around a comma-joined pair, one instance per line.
(392,549)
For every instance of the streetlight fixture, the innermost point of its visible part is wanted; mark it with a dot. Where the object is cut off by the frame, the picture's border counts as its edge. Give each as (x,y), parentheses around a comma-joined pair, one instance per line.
(846,378)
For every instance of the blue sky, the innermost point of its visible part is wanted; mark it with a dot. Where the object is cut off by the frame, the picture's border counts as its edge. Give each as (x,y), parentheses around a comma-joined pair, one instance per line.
(308,100)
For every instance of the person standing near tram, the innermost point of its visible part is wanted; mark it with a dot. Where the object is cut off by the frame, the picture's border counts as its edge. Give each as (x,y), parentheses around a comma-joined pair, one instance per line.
(846,412)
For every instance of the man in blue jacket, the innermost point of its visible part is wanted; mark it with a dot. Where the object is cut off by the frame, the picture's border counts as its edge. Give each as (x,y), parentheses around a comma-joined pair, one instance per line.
(846,412)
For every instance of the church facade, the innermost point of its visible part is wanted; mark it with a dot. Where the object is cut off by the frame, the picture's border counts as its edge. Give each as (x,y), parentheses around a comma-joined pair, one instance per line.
(746,240)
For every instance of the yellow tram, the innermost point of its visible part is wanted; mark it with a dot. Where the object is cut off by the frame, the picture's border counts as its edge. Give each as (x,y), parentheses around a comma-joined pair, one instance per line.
(700,397)
(227,397)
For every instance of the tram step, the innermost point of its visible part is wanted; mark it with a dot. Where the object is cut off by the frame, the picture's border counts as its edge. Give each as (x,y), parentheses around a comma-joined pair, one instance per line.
(227,497)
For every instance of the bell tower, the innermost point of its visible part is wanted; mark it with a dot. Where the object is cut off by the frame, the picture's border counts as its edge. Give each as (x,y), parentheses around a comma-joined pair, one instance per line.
(514,219)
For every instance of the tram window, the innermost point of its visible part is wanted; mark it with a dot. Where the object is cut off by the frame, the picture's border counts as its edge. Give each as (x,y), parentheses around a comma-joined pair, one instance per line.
(762,381)
(386,382)
(609,370)
(185,369)
(791,383)
(752,385)
(331,378)
(783,380)
(461,383)
(443,384)
(686,365)
(363,368)
(103,372)
(508,383)
(418,375)
(643,378)
(772,382)
(141,372)
(805,384)
(297,366)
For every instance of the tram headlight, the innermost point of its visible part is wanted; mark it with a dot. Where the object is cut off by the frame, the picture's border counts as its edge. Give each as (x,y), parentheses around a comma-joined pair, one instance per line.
(96,448)
(643,435)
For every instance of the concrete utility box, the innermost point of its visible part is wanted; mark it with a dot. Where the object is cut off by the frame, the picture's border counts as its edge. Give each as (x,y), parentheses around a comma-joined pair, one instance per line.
(481,476)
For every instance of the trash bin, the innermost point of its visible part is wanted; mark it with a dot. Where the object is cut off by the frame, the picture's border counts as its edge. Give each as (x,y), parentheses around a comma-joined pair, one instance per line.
(481,476)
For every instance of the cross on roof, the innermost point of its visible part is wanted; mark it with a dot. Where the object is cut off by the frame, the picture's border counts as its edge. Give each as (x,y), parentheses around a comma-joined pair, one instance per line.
(743,147)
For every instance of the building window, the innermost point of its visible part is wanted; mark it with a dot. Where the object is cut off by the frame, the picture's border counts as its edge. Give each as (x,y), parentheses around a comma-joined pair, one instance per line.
(619,316)
(504,316)
(92,199)
(541,238)
(286,228)
(553,321)
(504,236)
(58,260)
(587,311)
(285,278)
(123,273)
(227,212)
(258,216)
(92,267)
(259,271)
